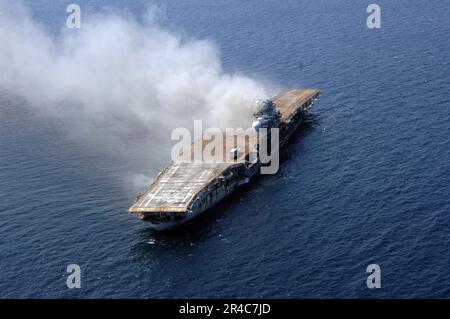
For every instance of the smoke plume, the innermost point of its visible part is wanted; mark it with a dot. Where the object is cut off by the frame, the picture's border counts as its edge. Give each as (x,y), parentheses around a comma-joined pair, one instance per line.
(121,79)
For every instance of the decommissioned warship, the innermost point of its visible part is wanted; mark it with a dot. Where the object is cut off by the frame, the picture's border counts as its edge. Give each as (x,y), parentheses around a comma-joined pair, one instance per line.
(186,188)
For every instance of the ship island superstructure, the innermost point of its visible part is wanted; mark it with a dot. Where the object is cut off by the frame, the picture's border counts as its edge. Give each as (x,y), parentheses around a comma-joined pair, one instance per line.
(188,187)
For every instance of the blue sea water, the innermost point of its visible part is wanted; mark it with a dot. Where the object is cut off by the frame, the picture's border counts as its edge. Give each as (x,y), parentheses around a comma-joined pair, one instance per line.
(368,183)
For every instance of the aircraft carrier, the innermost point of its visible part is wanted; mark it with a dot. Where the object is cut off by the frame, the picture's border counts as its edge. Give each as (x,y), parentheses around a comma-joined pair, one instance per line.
(187,187)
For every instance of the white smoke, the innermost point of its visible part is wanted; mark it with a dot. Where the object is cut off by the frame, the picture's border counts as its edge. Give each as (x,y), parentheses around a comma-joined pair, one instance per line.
(130,81)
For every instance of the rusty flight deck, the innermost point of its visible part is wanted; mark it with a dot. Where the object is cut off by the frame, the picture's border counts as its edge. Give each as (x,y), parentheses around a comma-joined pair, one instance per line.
(175,188)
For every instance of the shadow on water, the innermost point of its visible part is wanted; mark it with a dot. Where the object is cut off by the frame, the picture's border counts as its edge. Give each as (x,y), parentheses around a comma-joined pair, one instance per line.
(208,223)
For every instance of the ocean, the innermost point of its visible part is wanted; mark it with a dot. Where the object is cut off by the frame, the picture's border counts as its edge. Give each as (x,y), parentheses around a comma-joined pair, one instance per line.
(368,183)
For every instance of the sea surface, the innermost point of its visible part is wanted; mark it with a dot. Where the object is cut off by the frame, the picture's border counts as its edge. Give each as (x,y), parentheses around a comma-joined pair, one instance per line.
(368,183)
